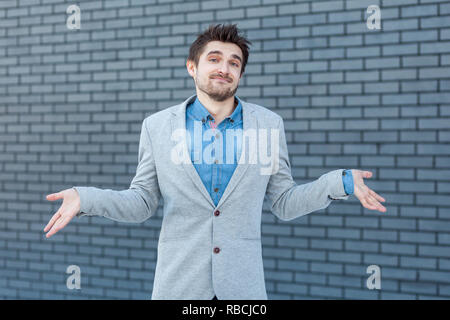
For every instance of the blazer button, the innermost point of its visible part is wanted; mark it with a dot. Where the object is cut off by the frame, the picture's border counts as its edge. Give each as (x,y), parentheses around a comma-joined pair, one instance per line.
(216,250)
(216,213)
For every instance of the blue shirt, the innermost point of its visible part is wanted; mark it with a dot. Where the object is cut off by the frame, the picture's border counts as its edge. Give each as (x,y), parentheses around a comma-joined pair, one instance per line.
(214,169)
(205,137)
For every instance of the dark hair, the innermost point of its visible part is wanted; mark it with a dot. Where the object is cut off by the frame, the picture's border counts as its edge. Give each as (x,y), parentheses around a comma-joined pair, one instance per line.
(219,32)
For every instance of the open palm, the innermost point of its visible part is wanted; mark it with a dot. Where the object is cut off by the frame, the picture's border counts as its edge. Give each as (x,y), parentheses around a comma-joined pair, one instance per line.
(369,198)
(69,209)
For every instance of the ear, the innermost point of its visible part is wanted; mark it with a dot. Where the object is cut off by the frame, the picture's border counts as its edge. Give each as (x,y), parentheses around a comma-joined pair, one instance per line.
(190,67)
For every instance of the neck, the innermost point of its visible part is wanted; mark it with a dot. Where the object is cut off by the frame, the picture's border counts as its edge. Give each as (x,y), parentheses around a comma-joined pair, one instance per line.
(218,109)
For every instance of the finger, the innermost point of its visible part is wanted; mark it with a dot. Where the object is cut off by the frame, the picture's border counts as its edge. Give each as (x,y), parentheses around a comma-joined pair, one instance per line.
(52,220)
(377,196)
(60,224)
(51,232)
(55,196)
(55,228)
(367,205)
(374,202)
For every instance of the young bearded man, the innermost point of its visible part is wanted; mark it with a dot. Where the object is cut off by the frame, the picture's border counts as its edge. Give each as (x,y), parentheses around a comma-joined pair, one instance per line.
(194,156)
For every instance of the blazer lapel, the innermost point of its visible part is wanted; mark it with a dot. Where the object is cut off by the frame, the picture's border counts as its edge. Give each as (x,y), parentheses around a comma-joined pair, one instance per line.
(249,122)
(178,121)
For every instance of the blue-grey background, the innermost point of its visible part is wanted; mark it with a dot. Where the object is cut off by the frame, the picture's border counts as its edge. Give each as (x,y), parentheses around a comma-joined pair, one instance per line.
(72,103)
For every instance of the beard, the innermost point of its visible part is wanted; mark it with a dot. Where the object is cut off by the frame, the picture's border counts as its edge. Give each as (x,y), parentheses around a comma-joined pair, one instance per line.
(217,91)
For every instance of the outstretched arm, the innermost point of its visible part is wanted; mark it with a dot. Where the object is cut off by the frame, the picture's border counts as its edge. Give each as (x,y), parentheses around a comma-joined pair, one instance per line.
(136,204)
(289,200)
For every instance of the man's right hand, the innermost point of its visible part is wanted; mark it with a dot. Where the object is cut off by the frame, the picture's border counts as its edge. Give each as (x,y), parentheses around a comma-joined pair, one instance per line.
(69,209)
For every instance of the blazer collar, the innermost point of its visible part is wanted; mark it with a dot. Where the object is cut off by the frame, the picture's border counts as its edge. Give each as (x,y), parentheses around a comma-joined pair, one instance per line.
(178,121)
(198,111)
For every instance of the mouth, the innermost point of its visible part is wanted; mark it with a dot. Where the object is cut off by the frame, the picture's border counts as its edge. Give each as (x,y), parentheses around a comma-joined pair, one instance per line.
(221,79)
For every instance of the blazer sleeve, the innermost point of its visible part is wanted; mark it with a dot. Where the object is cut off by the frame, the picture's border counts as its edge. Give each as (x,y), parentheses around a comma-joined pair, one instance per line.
(289,200)
(136,204)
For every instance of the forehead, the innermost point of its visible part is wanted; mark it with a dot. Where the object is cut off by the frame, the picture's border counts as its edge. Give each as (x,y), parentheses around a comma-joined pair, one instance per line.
(227,48)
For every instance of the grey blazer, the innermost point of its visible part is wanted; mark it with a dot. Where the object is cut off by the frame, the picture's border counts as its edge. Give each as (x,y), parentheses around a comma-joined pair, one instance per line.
(204,250)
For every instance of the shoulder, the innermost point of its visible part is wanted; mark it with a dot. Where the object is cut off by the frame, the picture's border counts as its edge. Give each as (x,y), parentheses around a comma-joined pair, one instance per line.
(265,115)
(160,117)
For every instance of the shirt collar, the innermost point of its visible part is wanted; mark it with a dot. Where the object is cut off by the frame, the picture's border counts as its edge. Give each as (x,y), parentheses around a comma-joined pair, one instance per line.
(199,112)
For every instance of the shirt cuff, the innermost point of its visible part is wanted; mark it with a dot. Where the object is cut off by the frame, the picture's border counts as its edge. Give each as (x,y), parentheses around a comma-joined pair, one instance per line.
(347,179)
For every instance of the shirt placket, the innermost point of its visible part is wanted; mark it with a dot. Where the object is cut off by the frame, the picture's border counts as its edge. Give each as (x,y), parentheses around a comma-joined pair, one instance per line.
(210,125)
(221,129)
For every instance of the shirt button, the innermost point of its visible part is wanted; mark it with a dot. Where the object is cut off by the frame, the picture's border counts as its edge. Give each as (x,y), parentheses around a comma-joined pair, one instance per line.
(216,213)
(216,250)
(203,120)
(231,120)
(216,161)
(216,189)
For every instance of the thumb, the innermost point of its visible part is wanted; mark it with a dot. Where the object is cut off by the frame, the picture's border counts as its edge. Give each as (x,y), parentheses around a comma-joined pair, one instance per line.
(367,174)
(55,196)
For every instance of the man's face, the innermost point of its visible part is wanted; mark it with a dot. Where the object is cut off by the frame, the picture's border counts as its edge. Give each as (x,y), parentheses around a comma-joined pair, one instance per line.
(218,60)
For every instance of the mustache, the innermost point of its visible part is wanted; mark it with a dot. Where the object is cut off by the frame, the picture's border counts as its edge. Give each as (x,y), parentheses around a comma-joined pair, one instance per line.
(225,78)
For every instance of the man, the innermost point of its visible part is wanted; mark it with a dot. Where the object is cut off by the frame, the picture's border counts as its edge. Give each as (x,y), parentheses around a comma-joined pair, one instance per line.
(210,241)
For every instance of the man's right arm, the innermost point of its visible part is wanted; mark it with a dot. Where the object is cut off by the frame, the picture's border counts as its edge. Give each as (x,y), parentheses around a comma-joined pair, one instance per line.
(136,204)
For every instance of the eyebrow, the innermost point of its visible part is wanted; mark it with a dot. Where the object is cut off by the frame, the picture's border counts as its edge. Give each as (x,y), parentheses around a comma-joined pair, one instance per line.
(220,54)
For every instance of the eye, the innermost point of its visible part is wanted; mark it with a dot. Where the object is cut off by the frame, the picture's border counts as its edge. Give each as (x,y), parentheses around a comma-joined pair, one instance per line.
(212,59)
(235,64)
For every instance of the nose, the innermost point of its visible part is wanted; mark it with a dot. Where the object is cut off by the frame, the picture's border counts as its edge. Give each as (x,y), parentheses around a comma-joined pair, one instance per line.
(224,68)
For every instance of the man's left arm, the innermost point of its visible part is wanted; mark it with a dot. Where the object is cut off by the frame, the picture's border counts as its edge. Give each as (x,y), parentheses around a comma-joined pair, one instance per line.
(289,200)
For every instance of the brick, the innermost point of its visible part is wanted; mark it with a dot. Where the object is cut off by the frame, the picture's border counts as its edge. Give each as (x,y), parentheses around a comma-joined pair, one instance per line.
(308,19)
(328,29)
(331,268)
(434,276)
(398,248)
(293,8)
(419,11)
(310,278)
(344,16)
(433,251)
(418,262)
(419,35)
(361,294)
(400,49)
(434,22)
(325,291)
(419,287)
(328,53)
(380,235)
(291,288)
(349,64)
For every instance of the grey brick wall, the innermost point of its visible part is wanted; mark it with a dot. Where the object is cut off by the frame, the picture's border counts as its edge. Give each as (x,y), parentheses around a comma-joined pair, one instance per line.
(72,103)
